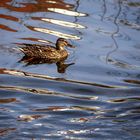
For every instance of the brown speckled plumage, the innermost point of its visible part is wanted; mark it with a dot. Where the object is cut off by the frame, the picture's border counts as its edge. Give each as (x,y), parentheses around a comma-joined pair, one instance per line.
(47,52)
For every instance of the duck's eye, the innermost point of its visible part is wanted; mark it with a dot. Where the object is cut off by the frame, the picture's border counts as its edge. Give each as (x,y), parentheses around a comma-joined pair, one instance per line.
(65,43)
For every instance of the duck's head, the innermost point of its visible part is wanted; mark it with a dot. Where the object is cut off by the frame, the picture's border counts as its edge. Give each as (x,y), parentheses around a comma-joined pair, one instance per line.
(61,43)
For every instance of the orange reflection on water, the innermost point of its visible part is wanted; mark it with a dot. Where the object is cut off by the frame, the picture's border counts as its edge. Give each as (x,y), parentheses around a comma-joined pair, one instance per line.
(8,17)
(7,28)
(8,100)
(58,6)
(38,5)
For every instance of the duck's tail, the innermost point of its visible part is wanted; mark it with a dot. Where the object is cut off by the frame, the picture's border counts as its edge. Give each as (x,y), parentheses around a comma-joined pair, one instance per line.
(18,49)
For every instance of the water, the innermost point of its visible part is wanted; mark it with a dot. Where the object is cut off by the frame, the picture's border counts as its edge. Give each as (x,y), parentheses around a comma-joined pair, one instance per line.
(97,96)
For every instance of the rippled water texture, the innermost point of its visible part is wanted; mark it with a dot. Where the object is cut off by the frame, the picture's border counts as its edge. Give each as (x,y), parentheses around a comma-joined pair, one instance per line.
(94,94)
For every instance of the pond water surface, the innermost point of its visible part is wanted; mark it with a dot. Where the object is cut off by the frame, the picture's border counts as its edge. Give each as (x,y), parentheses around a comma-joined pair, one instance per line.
(94,94)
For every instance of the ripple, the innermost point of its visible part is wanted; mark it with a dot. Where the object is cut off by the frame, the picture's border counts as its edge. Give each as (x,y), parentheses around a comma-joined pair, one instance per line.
(122,64)
(29,118)
(55,33)
(74,132)
(131,81)
(6,131)
(134,4)
(124,100)
(37,40)
(42,92)
(102,31)
(26,74)
(130,24)
(67,12)
(118,63)
(8,100)
(66,108)
(61,22)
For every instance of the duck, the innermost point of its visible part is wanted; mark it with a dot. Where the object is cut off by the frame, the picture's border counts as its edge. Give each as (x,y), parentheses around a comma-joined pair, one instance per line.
(47,52)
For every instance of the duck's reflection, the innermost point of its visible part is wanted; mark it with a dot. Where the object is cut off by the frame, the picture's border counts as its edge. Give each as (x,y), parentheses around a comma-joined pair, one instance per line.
(61,65)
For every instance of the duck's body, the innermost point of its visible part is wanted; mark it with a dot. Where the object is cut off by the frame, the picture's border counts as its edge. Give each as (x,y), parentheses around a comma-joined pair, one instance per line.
(44,52)
(48,52)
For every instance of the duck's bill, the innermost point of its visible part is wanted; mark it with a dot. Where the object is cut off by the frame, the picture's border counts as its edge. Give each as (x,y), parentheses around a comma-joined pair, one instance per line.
(71,46)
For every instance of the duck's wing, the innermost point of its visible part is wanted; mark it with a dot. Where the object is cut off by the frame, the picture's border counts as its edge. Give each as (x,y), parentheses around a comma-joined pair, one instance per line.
(49,52)
(39,51)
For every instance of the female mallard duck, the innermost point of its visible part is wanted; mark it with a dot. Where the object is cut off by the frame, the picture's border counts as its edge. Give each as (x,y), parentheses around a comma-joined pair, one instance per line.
(47,52)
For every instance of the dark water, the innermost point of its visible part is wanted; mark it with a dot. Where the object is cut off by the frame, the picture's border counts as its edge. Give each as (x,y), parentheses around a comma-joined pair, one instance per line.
(97,97)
